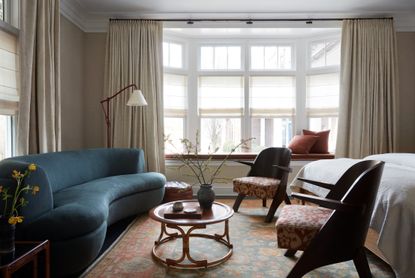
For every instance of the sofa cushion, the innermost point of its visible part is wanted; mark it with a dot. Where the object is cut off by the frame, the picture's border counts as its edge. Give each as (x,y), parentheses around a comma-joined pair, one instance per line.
(82,208)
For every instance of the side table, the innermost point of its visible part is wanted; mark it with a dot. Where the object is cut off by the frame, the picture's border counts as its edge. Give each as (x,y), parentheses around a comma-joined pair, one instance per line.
(26,252)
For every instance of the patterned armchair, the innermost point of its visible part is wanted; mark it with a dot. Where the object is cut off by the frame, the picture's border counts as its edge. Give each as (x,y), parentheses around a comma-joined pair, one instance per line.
(335,231)
(266,179)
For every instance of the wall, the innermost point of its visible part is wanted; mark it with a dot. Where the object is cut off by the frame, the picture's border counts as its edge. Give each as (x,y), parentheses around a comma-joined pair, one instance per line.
(72,79)
(94,67)
(406,59)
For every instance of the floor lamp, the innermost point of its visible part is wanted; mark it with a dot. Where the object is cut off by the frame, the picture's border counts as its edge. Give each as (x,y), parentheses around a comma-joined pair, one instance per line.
(136,99)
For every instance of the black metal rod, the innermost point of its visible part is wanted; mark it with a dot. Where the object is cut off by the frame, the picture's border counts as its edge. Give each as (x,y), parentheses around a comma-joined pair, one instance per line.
(249,20)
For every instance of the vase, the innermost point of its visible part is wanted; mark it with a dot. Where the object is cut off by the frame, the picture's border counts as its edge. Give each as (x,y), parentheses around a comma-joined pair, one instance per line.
(206,196)
(7,232)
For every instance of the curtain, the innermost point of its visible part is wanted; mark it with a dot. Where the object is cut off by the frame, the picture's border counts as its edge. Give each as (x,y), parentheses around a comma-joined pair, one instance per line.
(39,117)
(134,56)
(368,88)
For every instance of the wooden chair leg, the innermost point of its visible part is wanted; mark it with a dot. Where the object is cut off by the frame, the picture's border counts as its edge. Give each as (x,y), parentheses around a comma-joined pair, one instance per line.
(361,264)
(290,253)
(264,202)
(273,208)
(238,202)
(287,199)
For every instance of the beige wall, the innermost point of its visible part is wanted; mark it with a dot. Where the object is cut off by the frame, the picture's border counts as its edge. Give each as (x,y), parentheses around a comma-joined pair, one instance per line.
(72,79)
(82,80)
(94,67)
(406,59)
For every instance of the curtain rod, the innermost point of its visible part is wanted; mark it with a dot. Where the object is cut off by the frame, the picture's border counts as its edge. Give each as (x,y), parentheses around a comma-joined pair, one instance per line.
(250,21)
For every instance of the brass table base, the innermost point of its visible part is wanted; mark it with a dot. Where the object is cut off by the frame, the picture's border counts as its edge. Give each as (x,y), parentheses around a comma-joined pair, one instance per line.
(186,235)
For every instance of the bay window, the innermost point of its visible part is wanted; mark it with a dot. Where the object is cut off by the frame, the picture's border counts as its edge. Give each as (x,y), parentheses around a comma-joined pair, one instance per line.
(233,89)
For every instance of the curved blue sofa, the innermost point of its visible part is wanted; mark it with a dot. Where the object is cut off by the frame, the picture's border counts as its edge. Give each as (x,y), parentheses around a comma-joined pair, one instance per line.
(81,193)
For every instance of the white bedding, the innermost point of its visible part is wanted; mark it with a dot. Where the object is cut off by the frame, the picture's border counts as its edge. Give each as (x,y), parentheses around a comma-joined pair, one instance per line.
(394,212)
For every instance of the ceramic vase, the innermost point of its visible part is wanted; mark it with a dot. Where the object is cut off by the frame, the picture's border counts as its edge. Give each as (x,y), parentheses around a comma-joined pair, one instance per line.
(206,196)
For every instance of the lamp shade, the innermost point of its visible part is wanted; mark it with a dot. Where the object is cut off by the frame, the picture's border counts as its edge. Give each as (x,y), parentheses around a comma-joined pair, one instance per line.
(137,99)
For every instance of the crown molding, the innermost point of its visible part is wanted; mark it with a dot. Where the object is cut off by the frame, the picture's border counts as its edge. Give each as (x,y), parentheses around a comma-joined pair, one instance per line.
(98,22)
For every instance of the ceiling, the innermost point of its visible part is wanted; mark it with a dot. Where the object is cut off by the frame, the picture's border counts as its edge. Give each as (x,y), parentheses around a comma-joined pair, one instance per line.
(246,6)
(92,15)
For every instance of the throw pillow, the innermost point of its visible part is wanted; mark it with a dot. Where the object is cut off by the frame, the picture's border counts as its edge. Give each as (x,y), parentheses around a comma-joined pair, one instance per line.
(301,144)
(322,143)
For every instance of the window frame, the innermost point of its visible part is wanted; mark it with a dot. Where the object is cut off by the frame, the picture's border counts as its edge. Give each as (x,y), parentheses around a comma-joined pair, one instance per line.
(300,56)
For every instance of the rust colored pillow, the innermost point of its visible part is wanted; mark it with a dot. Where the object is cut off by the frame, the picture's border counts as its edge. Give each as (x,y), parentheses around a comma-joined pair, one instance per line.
(322,144)
(302,144)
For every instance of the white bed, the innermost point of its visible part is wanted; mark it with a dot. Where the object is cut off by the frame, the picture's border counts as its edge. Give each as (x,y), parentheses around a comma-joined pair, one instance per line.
(394,213)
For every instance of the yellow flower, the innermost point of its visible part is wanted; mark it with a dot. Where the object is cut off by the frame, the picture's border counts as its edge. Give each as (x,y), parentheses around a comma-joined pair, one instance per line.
(32,167)
(15,219)
(16,174)
(35,189)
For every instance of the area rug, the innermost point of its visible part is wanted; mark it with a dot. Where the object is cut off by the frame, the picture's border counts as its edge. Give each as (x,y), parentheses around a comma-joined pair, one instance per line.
(255,252)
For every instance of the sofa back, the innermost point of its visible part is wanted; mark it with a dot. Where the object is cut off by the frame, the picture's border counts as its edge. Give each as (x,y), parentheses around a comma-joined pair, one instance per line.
(64,169)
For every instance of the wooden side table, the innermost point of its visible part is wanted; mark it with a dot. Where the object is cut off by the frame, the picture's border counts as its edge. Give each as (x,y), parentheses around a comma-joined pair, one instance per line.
(26,252)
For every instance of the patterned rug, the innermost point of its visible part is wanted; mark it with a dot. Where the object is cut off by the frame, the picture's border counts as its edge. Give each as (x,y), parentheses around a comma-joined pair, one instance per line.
(255,252)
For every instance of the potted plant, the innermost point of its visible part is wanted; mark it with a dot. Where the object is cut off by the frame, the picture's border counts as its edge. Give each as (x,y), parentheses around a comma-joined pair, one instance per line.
(201,168)
(12,199)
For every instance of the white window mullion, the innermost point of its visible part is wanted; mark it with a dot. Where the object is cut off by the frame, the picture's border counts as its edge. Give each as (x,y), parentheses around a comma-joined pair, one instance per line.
(246,121)
(300,111)
(193,121)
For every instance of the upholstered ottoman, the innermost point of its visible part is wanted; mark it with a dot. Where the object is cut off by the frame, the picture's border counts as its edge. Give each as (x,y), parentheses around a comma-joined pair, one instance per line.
(176,190)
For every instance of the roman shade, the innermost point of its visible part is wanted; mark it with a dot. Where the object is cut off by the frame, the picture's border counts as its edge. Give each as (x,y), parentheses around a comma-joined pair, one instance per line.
(9,73)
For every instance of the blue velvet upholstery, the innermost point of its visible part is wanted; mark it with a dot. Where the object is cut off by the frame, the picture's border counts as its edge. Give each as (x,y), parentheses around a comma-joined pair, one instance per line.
(81,193)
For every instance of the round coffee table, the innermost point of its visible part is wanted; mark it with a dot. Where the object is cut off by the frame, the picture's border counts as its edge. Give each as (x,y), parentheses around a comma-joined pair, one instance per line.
(218,213)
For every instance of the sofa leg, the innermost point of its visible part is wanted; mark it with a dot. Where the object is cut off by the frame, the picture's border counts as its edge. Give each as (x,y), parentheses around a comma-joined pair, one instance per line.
(238,202)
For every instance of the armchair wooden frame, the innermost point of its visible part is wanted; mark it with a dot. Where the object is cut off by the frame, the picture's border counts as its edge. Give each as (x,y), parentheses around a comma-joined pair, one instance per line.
(283,155)
(343,236)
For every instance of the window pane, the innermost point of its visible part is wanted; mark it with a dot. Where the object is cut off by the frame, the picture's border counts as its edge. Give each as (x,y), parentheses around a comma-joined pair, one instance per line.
(174,131)
(284,57)
(326,123)
(5,136)
(220,133)
(220,95)
(234,57)
(323,91)
(270,132)
(333,53)
(325,53)
(165,54)
(220,57)
(1,10)
(318,57)
(272,95)
(172,55)
(257,57)
(271,57)
(176,56)
(175,95)
(206,57)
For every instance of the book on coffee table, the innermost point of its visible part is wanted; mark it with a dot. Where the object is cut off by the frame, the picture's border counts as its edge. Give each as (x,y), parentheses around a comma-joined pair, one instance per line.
(183,214)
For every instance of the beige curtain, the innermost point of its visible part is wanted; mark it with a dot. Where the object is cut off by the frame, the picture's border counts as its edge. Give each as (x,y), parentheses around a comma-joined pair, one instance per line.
(134,56)
(39,117)
(368,88)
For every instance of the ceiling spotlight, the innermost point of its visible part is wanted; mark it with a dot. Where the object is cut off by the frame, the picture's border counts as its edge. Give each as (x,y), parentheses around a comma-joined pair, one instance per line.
(190,22)
(249,22)
(309,22)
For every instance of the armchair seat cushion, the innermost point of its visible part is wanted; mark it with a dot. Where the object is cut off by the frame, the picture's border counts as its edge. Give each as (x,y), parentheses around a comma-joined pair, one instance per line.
(297,225)
(259,187)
